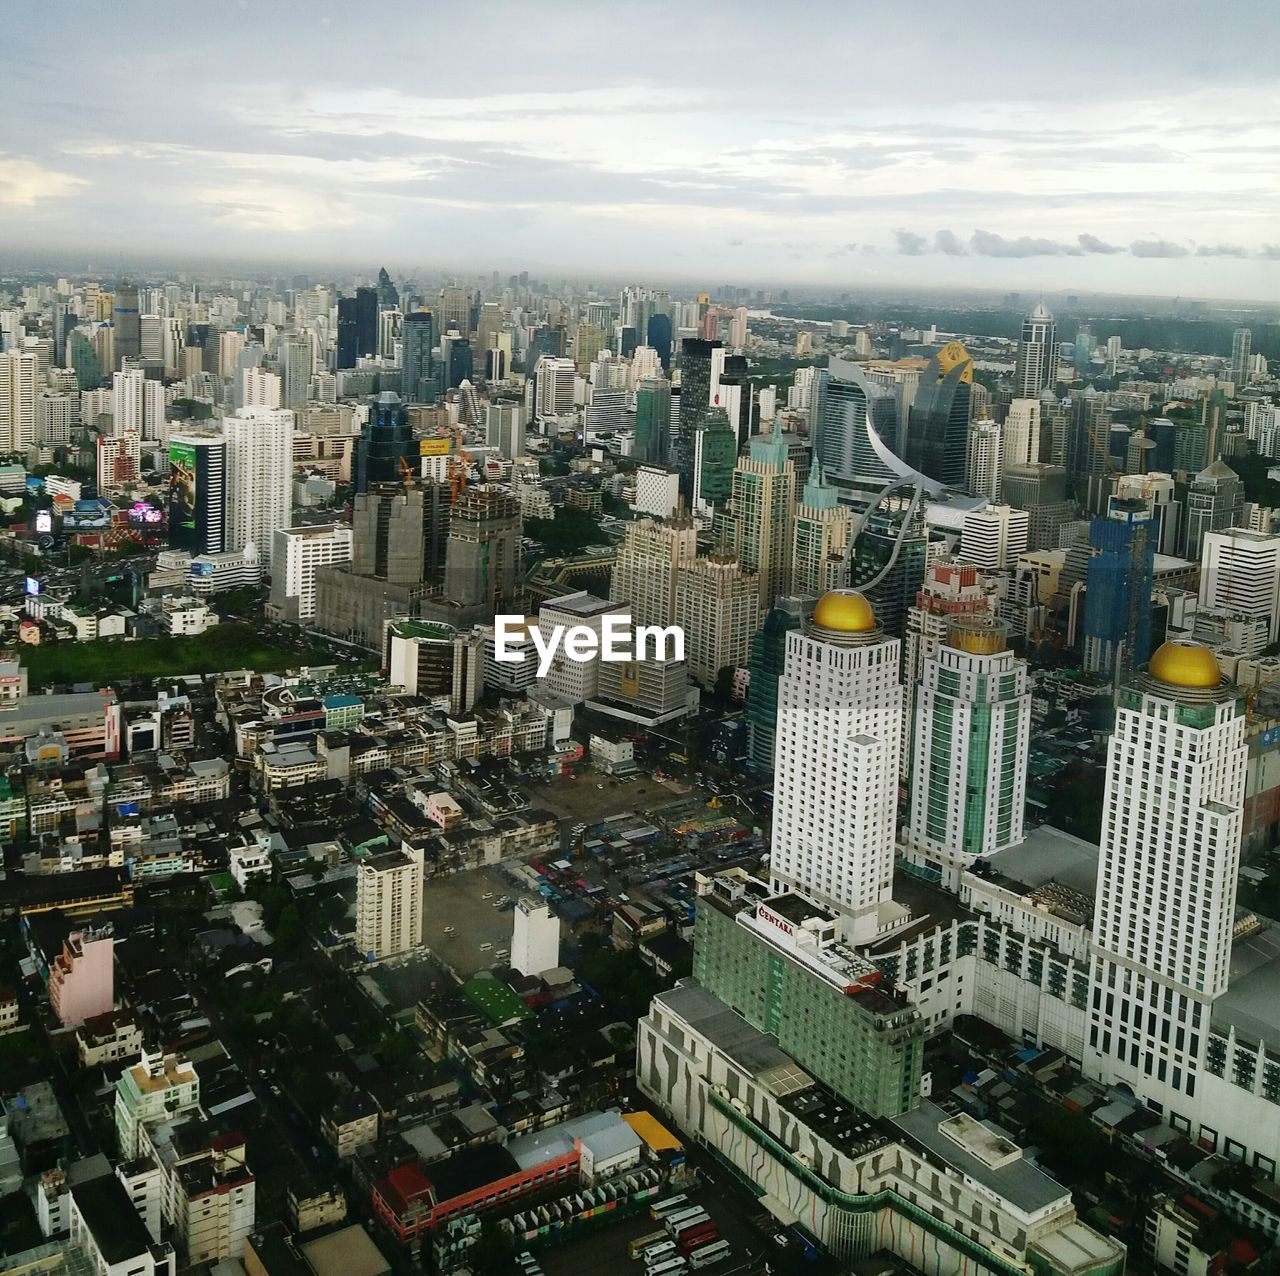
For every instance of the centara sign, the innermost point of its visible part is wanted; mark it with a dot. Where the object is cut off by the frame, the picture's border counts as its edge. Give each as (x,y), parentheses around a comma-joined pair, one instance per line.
(615,643)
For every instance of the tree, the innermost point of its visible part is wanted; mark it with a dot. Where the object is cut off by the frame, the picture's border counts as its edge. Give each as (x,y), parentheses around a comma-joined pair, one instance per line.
(492,1249)
(290,934)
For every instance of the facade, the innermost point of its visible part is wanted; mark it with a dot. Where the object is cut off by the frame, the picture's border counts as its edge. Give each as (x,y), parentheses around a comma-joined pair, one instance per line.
(1037,354)
(417,374)
(298,553)
(765,666)
(1240,572)
(695,398)
(1117,613)
(820,542)
(1215,502)
(938,433)
(385,449)
(576,679)
(535,940)
(757,528)
(259,458)
(649,561)
(970,742)
(82,976)
(994,538)
(836,757)
(1020,434)
(389,903)
(653,421)
(714,454)
(197,493)
(482,553)
(436,661)
(985,465)
(718,607)
(952,591)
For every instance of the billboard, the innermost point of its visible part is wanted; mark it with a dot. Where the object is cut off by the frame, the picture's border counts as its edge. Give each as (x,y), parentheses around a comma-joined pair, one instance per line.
(144,514)
(434,447)
(87,514)
(44,522)
(182,486)
(34,585)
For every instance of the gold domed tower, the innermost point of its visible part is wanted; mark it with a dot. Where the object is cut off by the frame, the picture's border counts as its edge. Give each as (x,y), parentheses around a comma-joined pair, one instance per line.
(844,616)
(1186,665)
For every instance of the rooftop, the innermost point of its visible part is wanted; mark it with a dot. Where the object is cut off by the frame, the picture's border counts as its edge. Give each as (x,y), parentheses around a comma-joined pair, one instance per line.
(117,1228)
(349,1252)
(1250,1004)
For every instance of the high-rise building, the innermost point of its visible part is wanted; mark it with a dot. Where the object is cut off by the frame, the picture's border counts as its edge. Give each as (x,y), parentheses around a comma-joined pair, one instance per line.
(952,591)
(482,555)
(985,467)
(389,902)
(259,459)
(504,428)
(1021,433)
(971,738)
(1215,501)
(1241,344)
(588,341)
(399,533)
(937,437)
(1040,491)
(714,454)
(1164,912)
(347,348)
(718,607)
(820,544)
(767,660)
(569,675)
(297,553)
(127,324)
(890,554)
(296,366)
(436,661)
(757,527)
(455,310)
(1082,357)
(417,373)
(197,492)
(554,382)
(1240,572)
(648,566)
(1037,355)
(993,538)
(119,461)
(653,420)
(385,451)
(259,388)
(1117,610)
(695,399)
(19,389)
(836,764)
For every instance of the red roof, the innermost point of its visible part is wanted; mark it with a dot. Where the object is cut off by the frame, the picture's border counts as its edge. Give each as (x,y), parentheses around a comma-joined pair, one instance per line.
(403,1186)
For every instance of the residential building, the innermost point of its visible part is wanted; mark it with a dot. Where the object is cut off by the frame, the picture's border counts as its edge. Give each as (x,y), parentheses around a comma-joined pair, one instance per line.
(1020,434)
(437,662)
(717,605)
(389,903)
(1240,572)
(156,1088)
(820,543)
(649,562)
(297,554)
(1037,355)
(985,467)
(82,976)
(657,491)
(994,538)
(535,941)
(259,459)
(757,527)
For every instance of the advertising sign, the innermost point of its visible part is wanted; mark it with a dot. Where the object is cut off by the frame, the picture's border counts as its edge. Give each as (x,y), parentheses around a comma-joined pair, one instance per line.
(44,522)
(143,514)
(34,585)
(182,486)
(433,447)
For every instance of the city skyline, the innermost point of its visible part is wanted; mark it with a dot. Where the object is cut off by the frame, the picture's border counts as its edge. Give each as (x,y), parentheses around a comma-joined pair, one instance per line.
(945,154)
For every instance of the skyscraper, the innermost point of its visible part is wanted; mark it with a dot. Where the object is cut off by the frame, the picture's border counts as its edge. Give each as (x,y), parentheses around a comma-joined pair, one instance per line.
(1215,501)
(296,367)
(348,340)
(197,492)
(937,436)
(649,562)
(399,532)
(1037,355)
(1241,344)
(715,451)
(1170,853)
(765,665)
(385,449)
(718,607)
(890,553)
(653,420)
(417,376)
(504,428)
(971,738)
(658,336)
(259,460)
(695,398)
(1240,572)
(984,470)
(366,322)
(1117,609)
(19,390)
(127,322)
(1021,433)
(836,764)
(757,526)
(482,557)
(820,544)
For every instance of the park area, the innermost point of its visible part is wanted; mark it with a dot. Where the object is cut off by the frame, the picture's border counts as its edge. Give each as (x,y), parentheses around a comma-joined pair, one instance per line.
(109,661)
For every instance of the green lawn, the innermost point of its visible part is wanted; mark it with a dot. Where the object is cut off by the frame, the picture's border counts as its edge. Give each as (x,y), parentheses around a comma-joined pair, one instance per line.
(113,660)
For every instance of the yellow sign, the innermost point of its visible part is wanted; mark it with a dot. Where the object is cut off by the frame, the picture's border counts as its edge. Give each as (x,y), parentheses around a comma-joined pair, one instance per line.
(434,447)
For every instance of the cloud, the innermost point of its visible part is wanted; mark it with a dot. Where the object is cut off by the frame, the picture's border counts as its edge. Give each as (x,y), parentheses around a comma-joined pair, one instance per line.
(1157,248)
(1269,252)
(1092,244)
(909,243)
(1222,250)
(987,243)
(23,182)
(946,241)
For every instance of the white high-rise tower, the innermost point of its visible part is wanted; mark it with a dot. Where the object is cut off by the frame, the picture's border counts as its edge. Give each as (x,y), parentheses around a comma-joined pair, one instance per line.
(259,477)
(1020,437)
(1165,907)
(836,763)
(1037,354)
(19,390)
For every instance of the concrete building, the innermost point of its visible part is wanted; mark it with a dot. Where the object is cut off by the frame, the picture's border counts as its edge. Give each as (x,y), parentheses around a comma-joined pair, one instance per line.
(82,976)
(436,661)
(482,554)
(1215,502)
(984,466)
(718,607)
(20,383)
(1021,433)
(657,491)
(650,559)
(570,676)
(820,541)
(297,554)
(1037,354)
(259,452)
(757,528)
(839,732)
(108,1232)
(535,940)
(156,1088)
(1240,572)
(389,903)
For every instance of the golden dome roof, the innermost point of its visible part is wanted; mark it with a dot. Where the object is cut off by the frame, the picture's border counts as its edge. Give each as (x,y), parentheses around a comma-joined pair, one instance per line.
(1185,664)
(951,356)
(845,611)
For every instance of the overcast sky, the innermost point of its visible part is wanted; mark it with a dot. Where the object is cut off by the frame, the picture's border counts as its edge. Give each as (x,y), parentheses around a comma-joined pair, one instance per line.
(1120,146)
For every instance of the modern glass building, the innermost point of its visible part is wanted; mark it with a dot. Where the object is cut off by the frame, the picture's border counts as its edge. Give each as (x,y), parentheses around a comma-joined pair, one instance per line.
(695,398)
(1117,605)
(658,335)
(653,420)
(893,552)
(417,338)
(385,446)
(716,455)
(937,437)
(767,660)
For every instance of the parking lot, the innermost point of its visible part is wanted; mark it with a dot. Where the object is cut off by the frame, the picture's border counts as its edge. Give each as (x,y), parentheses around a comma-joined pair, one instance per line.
(594,796)
(459,901)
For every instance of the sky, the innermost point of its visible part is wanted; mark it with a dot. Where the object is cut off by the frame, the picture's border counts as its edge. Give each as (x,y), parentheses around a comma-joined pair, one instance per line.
(1124,146)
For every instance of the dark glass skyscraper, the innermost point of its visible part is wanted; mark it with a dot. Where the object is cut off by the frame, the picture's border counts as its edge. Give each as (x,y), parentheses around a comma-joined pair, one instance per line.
(417,338)
(938,434)
(387,294)
(385,444)
(366,322)
(127,323)
(766,663)
(695,398)
(460,365)
(348,323)
(653,420)
(892,551)
(1117,604)
(658,335)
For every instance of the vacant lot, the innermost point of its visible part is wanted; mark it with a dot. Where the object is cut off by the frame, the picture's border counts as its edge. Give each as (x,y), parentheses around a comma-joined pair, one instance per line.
(458,901)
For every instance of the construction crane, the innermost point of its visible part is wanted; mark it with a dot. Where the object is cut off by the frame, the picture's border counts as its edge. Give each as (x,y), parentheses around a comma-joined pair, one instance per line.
(459,465)
(407,471)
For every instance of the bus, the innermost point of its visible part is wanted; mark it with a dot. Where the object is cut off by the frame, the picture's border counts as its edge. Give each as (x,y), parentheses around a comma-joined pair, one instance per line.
(667,1267)
(693,1237)
(659,1252)
(709,1254)
(664,1209)
(641,1243)
(678,1224)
